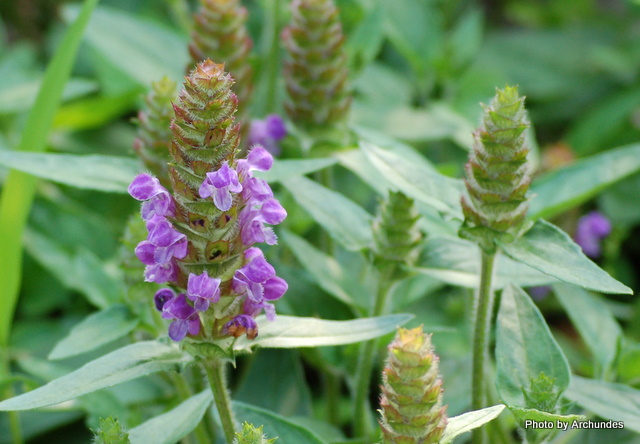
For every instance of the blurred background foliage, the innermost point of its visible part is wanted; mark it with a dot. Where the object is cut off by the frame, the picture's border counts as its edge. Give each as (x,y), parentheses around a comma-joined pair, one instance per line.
(419,68)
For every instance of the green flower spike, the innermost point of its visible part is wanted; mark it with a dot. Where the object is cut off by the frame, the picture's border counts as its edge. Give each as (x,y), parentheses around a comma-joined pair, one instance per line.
(252,435)
(220,34)
(110,432)
(154,136)
(497,174)
(411,401)
(397,239)
(315,72)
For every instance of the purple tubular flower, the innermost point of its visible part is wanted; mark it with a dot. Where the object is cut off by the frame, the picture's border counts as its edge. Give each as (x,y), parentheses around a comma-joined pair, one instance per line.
(221,184)
(268,132)
(157,252)
(158,201)
(241,324)
(202,290)
(257,281)
(186,319)
(592,228)
(253,217)
(258,159)
(163,296)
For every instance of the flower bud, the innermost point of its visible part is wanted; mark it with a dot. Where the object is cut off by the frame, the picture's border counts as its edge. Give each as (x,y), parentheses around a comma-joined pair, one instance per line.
(497,174)
(411,400)
(251,435)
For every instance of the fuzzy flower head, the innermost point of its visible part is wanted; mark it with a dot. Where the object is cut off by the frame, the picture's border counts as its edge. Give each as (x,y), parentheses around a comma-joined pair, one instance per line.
(592,228)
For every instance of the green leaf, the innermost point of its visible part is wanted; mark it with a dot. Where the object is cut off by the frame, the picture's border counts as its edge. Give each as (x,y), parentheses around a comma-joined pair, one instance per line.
(344,220)
(93,172)
(275,425)
(607,399)
(525,348)
(172,426)
(19,189)
(293,332)
(80,270)
(550,250)
(327,272)
(537,415)
(19,97)
(468,421)
(95,111)
(594,321)
(282,169)
(129,362)
(423,184)
(95,331)
(457,262)
(567,187)
(364,43)
(143,50)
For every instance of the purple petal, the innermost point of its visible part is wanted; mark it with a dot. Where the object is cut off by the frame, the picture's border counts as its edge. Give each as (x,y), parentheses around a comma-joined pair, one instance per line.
(161,273)
(275,127)
(144,187)
(240,325)
(259,159)
(163,234)
(222,199)
(274,288)
(259,270)
(145,252)
(194,325)
(202,286)
(256,190)
(178,308)
(252,232)
(200,304)
(272,212)
(178,329)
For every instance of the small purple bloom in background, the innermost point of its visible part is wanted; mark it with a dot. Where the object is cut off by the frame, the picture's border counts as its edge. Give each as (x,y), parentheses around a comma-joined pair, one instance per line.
(163,296)
(221,184)
(539,293)
(268,132)
(242,324)
(592,228)
(186,319)
(202,290)
(158,201)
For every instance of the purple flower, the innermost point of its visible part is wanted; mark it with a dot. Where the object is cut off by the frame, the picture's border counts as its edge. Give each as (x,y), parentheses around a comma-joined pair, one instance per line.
(253,217)
(268,132)
(257,281)
(202,290)
(592,228)
(163,296)
(241,324)
(186,319)
(258,159)
(158,201)
(157,252)
(221,184)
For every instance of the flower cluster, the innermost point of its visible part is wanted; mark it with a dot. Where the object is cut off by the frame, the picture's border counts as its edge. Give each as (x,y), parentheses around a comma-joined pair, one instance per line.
(201,236)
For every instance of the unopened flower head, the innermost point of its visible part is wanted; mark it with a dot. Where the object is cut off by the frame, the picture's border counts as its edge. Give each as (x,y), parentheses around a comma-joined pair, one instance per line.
(202,234)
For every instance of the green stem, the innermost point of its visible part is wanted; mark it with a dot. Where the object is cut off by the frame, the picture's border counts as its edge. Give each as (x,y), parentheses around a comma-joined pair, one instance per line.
(180,11)
(215,374)
(332,393)
(362,410)
(481,340)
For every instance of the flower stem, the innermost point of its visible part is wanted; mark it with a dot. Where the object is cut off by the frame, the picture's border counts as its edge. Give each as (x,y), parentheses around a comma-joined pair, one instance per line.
(481,339)
(14,418)
(361,410)
(217,382)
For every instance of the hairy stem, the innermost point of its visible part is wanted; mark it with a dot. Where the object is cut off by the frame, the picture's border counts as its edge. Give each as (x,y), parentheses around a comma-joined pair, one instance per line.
(481,339)
(217,382)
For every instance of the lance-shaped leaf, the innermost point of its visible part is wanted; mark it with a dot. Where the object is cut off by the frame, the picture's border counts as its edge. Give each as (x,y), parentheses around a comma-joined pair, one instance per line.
(468,421)
(293,332)
(567,187)
(423,184)
(457,261)
(95,330)
(129,362)
(525,349)
(344,220)
(92,172)
(283,169)
(175,424)
(593,320)
(607,399)
(547,248)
